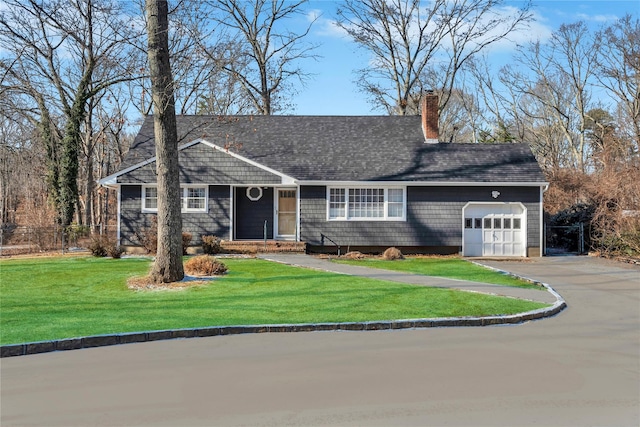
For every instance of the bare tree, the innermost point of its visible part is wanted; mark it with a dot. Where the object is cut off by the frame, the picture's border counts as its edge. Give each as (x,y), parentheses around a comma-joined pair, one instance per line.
(21,165)
(402,38)
(113,138)
(193,67)
(168,264)
(59,57)
(619,70)
(472,26)
(223,93)
(265,57)
(491,104)
(416,46)
(456,124)
(558,77)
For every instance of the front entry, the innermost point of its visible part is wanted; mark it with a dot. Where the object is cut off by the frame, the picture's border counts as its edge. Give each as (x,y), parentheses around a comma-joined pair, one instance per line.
(253,213)
(286,213)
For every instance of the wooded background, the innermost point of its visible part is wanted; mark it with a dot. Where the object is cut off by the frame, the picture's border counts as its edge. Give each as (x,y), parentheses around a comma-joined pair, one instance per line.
(75,83)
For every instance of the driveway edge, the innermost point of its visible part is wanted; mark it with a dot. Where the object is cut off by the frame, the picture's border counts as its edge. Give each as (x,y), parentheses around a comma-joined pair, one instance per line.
(24,349)
(526,279)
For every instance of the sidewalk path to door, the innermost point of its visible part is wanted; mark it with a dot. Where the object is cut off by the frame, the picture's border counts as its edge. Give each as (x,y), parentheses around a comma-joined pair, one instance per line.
(547,295)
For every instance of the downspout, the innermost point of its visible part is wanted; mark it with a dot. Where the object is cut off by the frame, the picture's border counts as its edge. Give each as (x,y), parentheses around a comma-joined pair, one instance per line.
(232,211)
(298,213)
(543,242)
(119,217)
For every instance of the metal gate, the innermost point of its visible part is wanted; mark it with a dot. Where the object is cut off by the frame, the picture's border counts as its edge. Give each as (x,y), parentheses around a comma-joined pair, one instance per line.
(565,239)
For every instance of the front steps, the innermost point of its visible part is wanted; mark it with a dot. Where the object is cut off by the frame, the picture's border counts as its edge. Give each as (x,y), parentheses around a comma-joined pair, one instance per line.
(260,246)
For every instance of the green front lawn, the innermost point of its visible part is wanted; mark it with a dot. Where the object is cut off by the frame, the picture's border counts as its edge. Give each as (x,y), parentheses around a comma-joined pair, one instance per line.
(449,267)
(53,298)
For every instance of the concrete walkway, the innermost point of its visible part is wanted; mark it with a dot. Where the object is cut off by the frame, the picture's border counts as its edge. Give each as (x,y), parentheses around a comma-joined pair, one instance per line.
(543,295)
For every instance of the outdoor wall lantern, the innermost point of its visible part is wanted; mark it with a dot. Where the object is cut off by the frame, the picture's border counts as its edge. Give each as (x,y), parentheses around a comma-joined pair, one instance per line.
(495,194)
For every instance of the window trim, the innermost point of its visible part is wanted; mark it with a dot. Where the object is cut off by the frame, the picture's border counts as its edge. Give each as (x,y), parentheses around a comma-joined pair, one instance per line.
(143,199)
(184,196)
(385,189)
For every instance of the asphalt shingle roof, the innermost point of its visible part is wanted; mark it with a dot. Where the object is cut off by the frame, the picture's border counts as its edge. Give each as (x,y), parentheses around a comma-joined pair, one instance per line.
(349,148)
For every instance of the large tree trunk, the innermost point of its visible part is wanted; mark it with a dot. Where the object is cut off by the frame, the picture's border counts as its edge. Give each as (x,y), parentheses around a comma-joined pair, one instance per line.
(168,264)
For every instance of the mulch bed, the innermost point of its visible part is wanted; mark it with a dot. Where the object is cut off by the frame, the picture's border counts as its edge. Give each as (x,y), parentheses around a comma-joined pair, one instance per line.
(145,283)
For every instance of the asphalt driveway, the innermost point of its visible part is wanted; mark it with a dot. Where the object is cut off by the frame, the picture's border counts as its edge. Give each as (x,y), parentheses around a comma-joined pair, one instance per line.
(579,368)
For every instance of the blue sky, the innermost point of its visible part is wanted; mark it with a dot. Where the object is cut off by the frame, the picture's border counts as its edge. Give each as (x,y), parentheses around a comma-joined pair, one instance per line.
(332,91)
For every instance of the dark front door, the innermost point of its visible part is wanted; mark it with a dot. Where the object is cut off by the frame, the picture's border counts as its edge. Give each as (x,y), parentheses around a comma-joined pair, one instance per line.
(253,208)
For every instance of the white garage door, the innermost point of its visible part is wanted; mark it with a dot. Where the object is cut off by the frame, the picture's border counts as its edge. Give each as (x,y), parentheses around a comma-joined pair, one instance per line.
(494,229)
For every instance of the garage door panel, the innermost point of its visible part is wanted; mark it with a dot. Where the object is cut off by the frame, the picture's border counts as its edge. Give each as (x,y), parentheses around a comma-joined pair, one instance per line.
(494,229)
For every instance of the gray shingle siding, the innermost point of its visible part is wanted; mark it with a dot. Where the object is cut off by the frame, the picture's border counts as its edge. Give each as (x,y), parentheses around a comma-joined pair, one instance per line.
(434,217)
(311,151)
(213,222)
(202,164)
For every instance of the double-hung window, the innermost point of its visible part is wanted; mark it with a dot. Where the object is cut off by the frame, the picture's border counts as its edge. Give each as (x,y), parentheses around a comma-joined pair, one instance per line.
(192,199)
(366,203)
(337,203)
(150,199)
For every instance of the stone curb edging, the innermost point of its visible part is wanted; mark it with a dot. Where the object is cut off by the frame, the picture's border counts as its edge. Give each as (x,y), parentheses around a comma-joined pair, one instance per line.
(549,289)
(127,338)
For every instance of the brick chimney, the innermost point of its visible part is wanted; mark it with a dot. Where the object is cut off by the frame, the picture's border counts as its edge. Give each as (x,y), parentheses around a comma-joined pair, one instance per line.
(429,107)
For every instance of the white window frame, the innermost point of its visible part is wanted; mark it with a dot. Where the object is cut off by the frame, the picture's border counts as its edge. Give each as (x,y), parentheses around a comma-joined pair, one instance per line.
(143,197)
(185,193)
(385,216)
(184,196)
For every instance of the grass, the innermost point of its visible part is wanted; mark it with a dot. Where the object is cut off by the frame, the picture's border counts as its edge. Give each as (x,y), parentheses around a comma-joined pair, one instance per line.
(449,267)
(54,298)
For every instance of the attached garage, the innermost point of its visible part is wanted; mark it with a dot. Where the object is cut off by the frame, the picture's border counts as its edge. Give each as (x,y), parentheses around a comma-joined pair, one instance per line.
(494,229)
(366,182)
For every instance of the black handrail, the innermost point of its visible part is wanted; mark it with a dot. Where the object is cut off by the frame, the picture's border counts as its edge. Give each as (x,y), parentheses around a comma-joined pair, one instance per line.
(323,237)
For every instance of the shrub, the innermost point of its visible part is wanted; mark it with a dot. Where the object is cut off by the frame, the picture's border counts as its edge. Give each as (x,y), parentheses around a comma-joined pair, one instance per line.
(204,265)
(98,246)
(148,237)
(186,240)
(102,246)
(114,251)
(354,255)
(211,245)
(392,254)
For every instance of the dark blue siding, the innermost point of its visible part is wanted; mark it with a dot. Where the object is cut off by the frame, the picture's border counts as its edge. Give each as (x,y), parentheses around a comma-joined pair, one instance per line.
(434,217)
(213,222)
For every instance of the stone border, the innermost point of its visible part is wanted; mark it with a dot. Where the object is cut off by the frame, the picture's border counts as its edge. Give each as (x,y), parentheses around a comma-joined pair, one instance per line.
(127,338)
(549,289)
